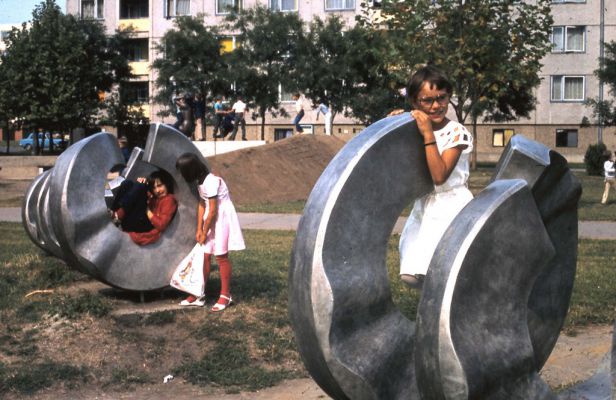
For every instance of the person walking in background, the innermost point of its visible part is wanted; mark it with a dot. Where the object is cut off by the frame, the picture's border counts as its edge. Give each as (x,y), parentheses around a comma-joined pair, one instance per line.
(219,118)
(123,143)
(176,100)
(609,172)
(239,108)
(327,114)
(299,109)
(199,112)
(218,226)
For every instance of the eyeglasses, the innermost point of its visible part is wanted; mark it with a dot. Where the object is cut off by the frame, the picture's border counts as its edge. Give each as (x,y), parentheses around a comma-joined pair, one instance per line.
(427,102)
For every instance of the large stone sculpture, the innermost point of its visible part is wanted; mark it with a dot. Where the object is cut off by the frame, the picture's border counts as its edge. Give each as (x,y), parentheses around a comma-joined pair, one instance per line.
(65,211)
(495,295)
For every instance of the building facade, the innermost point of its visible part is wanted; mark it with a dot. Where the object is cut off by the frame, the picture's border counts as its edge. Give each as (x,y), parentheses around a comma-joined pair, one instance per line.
(580,26)
(568,79)
(150,19)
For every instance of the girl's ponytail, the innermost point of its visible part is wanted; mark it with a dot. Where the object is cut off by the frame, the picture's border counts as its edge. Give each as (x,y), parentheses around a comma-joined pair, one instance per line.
(191,167)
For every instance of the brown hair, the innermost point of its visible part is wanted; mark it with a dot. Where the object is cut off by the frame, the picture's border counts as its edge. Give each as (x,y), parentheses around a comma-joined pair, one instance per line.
(429,74)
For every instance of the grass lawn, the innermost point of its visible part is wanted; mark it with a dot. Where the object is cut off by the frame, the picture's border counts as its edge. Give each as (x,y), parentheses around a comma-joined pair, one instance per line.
(590,207)
(73,337)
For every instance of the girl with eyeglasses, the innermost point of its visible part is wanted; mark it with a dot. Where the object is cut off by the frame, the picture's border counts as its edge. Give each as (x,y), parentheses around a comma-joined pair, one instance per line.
(448,146)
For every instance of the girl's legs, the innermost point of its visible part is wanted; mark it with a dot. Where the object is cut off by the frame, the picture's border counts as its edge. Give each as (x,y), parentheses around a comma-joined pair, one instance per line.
(206,275)
(606,191)
(225,268)
(413,281)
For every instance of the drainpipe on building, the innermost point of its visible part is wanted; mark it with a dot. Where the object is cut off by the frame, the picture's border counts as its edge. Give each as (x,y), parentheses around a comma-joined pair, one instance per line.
(601,54)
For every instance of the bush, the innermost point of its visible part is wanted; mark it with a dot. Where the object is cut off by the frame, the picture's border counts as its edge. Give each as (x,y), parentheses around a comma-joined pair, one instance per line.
(594,158)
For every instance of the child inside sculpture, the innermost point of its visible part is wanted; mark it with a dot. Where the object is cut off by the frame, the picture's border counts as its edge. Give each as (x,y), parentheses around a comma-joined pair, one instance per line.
(218,227)
(145,208)
(448,146)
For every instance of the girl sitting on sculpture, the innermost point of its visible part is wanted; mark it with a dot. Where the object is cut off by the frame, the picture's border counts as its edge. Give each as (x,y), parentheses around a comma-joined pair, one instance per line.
(145,208)
(448,146)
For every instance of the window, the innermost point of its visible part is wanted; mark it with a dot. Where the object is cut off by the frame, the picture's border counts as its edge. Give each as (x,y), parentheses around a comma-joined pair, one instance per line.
(283,5)
(228,6)
(567,88)
(133,9)
(136,92)
(280,134)
(568,38)
(137,50)
(92,9)
(501,137)
(566,137)
(339,5)
(285,97)
(175,8)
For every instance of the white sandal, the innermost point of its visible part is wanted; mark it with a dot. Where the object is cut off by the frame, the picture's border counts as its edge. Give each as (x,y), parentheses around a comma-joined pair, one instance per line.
(219,306)
(198,302)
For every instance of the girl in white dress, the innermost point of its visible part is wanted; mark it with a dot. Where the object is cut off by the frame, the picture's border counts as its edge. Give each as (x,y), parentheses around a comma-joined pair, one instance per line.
(218,226)
(448,146)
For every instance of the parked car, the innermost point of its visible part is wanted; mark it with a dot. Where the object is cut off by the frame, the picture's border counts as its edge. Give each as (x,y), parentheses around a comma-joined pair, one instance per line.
(27,142)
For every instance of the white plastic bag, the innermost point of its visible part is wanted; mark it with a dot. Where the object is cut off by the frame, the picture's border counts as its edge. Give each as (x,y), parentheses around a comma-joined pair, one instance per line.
(188,276)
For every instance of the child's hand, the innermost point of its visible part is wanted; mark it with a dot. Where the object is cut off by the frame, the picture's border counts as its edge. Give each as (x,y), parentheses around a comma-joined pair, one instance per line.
(143,180)
(200,237)
(424,124)
(397,111)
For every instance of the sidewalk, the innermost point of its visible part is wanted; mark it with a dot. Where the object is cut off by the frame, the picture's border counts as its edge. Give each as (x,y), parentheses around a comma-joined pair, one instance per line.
(586,229)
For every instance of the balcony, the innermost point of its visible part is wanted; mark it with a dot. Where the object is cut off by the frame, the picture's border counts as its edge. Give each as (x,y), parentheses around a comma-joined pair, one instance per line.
(140,67)
(134,14)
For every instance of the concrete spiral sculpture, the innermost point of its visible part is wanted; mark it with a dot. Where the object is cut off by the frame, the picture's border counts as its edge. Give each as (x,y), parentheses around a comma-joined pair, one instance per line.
(494,299)
(65,210)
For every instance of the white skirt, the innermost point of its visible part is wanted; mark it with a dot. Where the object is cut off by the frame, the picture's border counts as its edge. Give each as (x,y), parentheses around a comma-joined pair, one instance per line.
(430,217)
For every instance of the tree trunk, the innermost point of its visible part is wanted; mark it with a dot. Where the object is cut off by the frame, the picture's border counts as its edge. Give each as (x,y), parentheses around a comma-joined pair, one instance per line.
(475,145)
(35,142)
(8,137)
(262,112)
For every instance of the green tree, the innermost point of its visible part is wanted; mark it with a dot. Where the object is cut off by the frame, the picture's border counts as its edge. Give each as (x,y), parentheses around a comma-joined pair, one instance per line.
(266,58)
(190,61)
(491,50)
(129,119)
(321,64)
(343,68)
(373,85)
(55,70)
(604,111)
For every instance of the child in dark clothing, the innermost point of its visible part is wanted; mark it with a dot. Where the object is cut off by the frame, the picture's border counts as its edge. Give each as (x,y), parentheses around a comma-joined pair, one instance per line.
(146,207)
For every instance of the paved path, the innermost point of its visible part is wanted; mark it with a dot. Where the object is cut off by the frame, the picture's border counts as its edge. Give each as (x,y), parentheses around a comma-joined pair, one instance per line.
(586,229)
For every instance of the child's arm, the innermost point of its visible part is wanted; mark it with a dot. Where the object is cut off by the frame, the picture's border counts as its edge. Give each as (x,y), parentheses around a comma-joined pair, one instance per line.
(440,165)
(211,217)
(200,237)
(166,211)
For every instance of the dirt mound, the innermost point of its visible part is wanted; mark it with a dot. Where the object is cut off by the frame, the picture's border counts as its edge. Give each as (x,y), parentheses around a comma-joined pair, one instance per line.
(282,171)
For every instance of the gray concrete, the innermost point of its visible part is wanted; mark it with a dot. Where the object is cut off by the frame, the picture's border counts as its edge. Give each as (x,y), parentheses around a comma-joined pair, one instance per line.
(79,216)
(353,340)
(495,295)
(288,222)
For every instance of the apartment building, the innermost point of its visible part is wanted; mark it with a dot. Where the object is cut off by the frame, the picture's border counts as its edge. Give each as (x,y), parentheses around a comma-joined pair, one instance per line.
(580,26)
(150,19)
